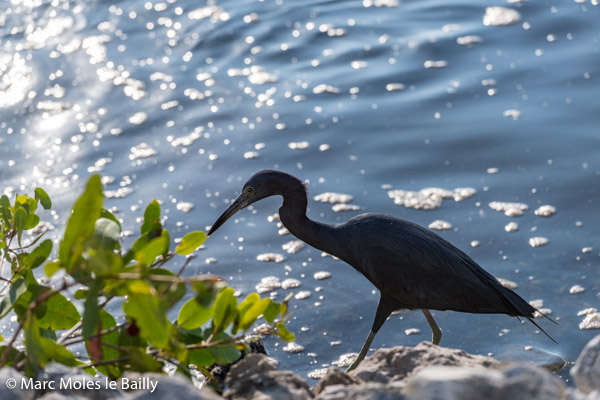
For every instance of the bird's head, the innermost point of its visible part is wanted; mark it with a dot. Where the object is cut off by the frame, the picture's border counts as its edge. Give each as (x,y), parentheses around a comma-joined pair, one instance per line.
(260,185)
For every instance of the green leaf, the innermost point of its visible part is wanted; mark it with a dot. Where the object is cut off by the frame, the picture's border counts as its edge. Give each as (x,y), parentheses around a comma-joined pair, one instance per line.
(20,220)
(108,233)
(201,357)
(81,223)
(104,213)
(51,268)
(140,361)
(156,247)
(151,217)
(38,255)
(5,209)
(226,354)
(32,221)
(56,352)
(190,242)
(225,309)
(81,294)
(105,353)
(206,292)
(91,312)
(36,357)
(254,312)
(43,197)
(18,287)
(60,313)
(284,333)
(192,315)
(271,312)
(149,317)
(170,292)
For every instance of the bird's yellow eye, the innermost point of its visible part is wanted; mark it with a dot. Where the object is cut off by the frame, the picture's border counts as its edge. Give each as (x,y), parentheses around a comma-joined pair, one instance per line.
(249,191)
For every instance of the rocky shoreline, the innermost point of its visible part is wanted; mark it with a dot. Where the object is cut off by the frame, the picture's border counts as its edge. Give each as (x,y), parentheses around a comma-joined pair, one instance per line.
(422,372)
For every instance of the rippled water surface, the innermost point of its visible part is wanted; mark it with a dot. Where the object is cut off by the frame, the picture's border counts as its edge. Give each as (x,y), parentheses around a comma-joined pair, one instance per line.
(183,100)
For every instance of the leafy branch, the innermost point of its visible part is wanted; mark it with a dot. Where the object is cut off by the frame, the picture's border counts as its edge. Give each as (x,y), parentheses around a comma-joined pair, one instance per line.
(211,324)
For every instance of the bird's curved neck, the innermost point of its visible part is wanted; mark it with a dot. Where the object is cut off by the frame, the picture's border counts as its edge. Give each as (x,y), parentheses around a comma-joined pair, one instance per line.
(293,216)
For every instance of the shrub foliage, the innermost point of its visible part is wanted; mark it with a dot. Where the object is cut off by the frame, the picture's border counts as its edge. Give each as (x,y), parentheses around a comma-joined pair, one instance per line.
(68,309)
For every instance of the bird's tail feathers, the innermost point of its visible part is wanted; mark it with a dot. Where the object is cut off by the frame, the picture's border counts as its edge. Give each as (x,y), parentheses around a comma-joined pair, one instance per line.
(541,329)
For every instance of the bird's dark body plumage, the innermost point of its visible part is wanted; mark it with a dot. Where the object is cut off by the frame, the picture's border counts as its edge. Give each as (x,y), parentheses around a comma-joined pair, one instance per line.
(412,267)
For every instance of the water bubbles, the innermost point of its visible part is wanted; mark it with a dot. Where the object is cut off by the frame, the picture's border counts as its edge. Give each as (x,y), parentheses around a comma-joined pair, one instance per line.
(511,227)
(538,241)
(412,331)
(380,3)
(428,198)
(512,113)
(435,64)
(509,209)
(213,12)
(333,198)
(298,145)
(500,16)
(507,284)
(576,289)
(142,150)
(320,275)
(359,64)
(290,283)
(249,18)
(250,155)
(293,246)
(440,225)
(268,284)
(591,320)
(394,87)
(258,76)
(138,118)
(345,207)
(323,88)
(302,295)
(267,257)
(187,140)
(469,40)
(545,211)
(293,347)
(185,206)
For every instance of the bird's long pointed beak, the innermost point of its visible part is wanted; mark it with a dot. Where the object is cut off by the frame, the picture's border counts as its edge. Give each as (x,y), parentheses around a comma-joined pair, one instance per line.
(239,203)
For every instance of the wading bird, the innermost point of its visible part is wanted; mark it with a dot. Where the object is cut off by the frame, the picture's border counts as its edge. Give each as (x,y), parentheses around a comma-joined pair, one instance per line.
(412,267)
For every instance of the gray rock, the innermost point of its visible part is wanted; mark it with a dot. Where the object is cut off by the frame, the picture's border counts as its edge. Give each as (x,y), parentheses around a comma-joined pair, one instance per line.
(396,363)
(335,376)
(366,391)
(513,381)
(7,375)
(574,394)
(255,377)
(586,371)
(542,358)
(163,387)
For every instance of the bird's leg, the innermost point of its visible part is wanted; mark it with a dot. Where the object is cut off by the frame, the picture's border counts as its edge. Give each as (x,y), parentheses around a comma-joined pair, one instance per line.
(384,309)
(363,352)
(435,329)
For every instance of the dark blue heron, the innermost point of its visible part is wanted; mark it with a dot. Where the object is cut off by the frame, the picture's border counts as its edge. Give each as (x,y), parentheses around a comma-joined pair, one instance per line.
(412,267)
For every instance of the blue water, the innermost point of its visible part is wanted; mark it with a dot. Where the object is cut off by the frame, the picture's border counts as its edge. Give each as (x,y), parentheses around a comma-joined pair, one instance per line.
(445,129)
